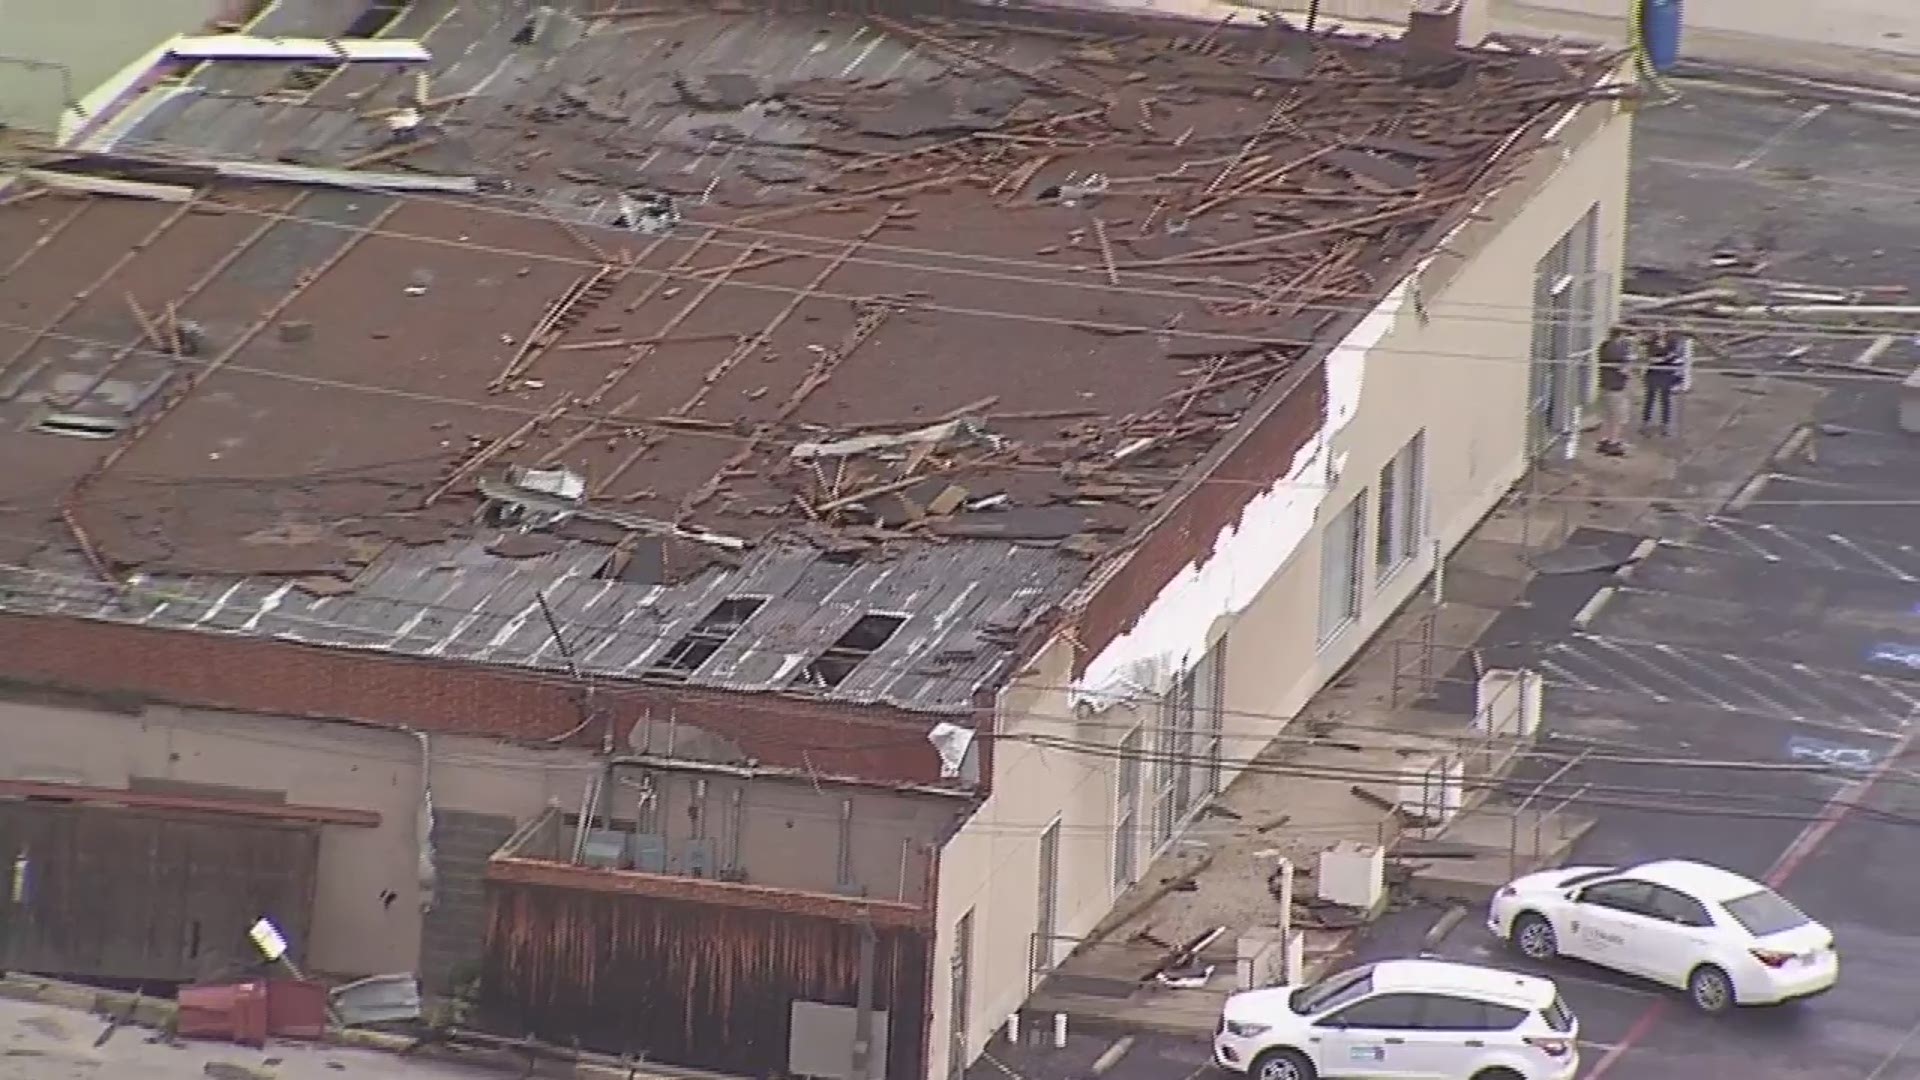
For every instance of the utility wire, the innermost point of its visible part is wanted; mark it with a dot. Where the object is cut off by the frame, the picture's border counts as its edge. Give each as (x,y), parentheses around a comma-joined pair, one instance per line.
(618,422)
(701,276)
(1700,326)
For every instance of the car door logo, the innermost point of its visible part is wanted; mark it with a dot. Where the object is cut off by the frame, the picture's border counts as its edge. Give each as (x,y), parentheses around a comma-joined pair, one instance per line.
(1367,1053)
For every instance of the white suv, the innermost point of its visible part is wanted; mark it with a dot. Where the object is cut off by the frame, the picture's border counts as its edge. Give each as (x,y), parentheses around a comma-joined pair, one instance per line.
(1417,1019)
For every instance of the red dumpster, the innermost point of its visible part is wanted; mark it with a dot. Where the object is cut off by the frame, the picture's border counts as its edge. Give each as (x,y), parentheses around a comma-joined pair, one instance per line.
(233,1012)
(296,1009)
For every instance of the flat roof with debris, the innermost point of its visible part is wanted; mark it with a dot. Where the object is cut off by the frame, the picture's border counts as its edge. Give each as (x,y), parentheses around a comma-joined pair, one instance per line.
(780,351)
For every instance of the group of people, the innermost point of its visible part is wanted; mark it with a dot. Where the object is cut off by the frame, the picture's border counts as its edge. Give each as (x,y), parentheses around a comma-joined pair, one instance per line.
(1665,360)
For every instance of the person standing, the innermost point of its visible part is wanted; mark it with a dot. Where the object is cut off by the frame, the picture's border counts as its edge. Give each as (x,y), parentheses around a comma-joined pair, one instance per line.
(1615,360)
(1669,367)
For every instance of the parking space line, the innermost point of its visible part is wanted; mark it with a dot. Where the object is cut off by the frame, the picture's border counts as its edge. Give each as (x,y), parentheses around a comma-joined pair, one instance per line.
(1618,676)
(1746,687)
(1843,688)
(1561,677)
(1792,690)
(1859,549)
(1830,690)
(1792,540)
(1722,525)
(1781,136)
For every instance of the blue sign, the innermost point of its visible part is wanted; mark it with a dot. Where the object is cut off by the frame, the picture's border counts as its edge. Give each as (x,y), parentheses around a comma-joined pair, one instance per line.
(1832,755)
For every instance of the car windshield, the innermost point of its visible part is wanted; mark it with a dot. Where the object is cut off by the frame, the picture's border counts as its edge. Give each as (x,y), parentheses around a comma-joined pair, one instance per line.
(1332,991)
(1765,912)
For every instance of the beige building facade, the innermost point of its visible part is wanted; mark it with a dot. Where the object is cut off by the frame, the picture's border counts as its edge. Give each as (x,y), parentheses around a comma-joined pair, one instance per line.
(1476,363)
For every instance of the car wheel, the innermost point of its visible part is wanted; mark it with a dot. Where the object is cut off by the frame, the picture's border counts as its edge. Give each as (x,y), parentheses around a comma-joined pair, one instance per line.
(1497,1074)
(1533,935)
(1710,989)
(1281,1065)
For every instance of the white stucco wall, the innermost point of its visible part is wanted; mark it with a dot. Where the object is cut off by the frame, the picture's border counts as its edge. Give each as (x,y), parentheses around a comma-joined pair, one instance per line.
(1453,365)
(75,45)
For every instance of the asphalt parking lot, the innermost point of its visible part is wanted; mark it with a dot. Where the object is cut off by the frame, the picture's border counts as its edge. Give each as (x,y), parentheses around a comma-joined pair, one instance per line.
(1785,632)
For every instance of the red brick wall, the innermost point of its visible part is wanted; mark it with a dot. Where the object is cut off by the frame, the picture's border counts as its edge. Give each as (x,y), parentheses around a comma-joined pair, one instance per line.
(1189,531)
(261,675)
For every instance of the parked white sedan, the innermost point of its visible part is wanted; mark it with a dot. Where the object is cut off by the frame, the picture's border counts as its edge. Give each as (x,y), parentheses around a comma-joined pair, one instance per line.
(1406,1019)
(1724,939)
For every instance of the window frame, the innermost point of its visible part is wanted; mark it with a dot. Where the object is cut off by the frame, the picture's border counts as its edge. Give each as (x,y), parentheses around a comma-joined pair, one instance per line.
(1700,917)
(1645,907)
(1356,510)
(1400,510)
(1411,1000)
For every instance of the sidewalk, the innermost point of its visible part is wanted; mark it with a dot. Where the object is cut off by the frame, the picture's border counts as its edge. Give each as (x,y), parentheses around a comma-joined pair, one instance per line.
(1872,43)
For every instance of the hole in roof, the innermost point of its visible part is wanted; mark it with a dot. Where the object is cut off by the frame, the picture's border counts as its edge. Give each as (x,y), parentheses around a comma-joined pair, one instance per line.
(861,640)
(707,637)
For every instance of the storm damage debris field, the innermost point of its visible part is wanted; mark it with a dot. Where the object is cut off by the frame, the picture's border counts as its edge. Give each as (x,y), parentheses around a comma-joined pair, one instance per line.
(741,282)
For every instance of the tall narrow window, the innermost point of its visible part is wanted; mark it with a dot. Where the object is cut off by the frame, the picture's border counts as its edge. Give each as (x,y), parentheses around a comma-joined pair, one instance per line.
(1340,569)
(960,997)
(1400,522)
(1209,697)
(1046,929)
(1126,811)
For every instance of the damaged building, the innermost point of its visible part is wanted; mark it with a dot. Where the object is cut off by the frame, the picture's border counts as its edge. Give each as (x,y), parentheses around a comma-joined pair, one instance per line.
(735,527)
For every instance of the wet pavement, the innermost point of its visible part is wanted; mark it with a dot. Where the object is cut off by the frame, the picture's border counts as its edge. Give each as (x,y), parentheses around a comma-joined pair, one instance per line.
(1761,666)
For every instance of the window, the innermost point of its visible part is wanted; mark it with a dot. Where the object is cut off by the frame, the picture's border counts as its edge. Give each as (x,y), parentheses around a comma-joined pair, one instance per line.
(1401,523)
(1340,569)
(1440,1012)
(1333,991)
(1186,747)
(1126,801)
(1046,926)
(1388,1012)
(1765,912)
(1677,907)
(1161,779)
(1626,895)
(1210,700)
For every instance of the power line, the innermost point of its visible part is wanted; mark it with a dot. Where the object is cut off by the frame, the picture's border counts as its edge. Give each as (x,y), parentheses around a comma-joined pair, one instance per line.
(493,204)
(700,275)
(1172,476)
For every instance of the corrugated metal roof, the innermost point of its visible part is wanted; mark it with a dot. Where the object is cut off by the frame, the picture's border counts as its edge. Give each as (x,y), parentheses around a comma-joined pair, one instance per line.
(963,606)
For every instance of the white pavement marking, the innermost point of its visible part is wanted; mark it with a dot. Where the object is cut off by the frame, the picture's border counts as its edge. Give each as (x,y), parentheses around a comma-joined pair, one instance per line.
(1870,557)
(1567,678)
(1793,540)
(1782,135)
(1629,681)
(1722,526)
(1894,1055)
(1830,701)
